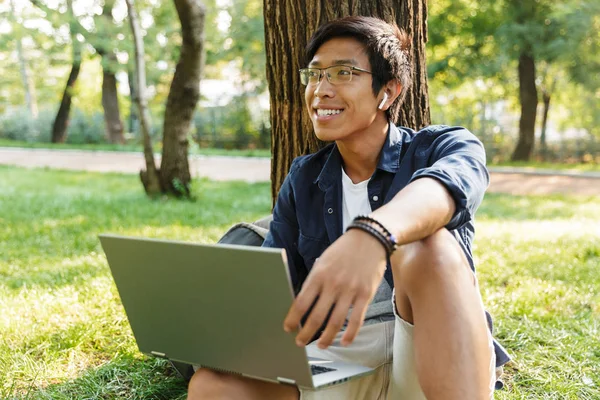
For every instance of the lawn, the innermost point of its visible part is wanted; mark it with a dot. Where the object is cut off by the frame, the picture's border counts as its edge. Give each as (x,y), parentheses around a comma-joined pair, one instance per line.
(64,335)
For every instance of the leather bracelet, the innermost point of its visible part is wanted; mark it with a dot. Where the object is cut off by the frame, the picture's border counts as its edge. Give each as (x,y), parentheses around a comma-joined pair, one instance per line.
(391,238)
(374,233)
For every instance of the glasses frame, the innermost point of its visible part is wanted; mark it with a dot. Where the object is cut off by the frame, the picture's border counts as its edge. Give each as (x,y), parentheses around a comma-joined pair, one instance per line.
(323,71)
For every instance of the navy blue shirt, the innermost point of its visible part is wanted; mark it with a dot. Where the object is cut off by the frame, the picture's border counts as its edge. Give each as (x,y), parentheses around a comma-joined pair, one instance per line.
(307,216)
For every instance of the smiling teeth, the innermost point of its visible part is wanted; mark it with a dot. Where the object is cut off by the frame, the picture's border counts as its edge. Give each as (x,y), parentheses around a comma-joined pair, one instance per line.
(322,112)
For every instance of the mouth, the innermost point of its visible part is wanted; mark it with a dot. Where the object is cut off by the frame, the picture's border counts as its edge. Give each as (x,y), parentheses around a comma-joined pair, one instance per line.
(324,114)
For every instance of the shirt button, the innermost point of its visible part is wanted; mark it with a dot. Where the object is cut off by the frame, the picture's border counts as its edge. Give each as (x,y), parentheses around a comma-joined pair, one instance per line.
(330,210)
(375,198)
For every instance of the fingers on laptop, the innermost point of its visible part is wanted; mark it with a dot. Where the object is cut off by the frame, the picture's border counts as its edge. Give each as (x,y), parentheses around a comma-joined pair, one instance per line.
(336,321)
(316,317)
(357,318)
(300,305)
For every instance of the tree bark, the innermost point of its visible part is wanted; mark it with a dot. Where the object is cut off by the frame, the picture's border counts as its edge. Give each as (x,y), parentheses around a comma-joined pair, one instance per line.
(110,96)
(183,97)
(61,121)
(288,27)
(110,103)
(133,94)
(546,96)
(150,176)
(529,100)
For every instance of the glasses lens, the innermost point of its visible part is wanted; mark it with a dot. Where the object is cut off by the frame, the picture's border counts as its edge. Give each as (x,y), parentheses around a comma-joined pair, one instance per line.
(339,74)
(309,76)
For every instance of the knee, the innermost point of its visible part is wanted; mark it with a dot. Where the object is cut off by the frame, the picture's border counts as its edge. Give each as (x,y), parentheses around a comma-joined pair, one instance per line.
(205,384)
(436,257)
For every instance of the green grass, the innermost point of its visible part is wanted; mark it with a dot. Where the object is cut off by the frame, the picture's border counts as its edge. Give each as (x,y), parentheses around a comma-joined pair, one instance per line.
(564,167)
(193,149)
(64,335)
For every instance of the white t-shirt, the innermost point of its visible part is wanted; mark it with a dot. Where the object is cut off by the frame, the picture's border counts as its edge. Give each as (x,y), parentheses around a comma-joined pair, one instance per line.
(355,199)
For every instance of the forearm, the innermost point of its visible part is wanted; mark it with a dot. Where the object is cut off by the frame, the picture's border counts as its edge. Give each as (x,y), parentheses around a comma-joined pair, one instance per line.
(423,207)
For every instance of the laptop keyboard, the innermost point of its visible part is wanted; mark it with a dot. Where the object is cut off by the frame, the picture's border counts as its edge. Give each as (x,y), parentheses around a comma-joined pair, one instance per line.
(317,369)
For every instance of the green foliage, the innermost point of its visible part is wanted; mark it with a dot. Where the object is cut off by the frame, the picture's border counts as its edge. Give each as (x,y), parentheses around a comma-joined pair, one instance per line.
(246,41)
(83,128)
(232,126)
(472,57)
(462,42)
(86,128)
(18,125)
(40,52)
(581,25)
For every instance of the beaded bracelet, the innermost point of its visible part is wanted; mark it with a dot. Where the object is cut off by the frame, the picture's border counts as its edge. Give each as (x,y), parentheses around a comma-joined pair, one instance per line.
(392,241)
(389,249)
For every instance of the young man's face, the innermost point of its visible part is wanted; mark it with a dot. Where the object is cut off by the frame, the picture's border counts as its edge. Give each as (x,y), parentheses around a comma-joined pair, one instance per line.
(339,111)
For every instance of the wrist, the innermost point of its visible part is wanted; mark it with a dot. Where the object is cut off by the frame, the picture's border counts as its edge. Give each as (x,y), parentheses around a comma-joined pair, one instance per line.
(376,230)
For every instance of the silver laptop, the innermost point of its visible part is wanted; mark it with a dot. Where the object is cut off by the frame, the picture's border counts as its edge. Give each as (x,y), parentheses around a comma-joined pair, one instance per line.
(217,306)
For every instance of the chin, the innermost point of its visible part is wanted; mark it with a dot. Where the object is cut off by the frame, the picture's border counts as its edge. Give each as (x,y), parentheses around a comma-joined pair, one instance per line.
(326,135)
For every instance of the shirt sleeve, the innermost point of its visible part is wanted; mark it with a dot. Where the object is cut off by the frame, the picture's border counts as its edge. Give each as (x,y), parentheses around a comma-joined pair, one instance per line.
(457,160)
(284,230)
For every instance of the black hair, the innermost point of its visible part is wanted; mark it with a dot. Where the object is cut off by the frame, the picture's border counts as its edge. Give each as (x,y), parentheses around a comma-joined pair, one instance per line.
(387,46)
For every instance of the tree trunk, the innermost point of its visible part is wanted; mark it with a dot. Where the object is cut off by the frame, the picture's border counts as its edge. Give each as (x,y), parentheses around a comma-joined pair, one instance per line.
(133,94)
(110,96)
(61,121)
(149,176)
(529,100)
(183,97)
(288,27)
(546,96)
(110,103)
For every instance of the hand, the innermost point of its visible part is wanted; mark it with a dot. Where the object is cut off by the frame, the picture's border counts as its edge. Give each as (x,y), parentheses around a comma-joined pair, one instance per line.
(346,275)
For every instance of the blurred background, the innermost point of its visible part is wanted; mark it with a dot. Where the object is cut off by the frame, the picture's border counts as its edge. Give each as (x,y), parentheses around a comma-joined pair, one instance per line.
(474,52)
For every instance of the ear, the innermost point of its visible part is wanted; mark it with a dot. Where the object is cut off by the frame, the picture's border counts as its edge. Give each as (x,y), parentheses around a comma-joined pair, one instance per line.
(390,93)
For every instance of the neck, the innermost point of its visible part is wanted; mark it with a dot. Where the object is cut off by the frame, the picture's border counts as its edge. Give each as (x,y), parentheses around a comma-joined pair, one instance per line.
(360,153)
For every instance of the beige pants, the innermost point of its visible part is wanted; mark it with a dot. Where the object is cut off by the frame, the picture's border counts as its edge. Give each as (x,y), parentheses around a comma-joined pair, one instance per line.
(388,348)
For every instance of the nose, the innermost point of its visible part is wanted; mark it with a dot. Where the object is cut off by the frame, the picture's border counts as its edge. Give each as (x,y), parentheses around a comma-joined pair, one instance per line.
(324,87)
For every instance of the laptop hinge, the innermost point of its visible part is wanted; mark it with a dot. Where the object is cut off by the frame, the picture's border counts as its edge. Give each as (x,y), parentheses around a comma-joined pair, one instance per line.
(286,380)
(158,354)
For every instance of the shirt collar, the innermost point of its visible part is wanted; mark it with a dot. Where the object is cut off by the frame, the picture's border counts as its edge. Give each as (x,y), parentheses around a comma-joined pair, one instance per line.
(332,169)
(389,159)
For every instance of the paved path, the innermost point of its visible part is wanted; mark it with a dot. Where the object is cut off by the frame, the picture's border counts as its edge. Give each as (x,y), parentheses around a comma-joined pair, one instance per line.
(213,167)
(503,180)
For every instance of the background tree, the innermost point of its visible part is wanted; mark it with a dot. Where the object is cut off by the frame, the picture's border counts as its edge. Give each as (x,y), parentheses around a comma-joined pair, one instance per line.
(61,121)
(288,26)
(153,184)
(106,49)
(530,31)
(101,38)
(174,173)
(517,50)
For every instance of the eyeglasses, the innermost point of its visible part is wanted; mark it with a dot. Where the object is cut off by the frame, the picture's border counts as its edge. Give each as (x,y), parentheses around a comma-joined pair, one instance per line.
(335,74)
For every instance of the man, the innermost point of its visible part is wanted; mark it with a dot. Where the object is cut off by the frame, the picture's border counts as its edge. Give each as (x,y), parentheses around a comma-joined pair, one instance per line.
(381,210)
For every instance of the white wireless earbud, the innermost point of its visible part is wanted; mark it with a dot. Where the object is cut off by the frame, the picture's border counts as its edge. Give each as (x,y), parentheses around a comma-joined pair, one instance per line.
(385,97)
